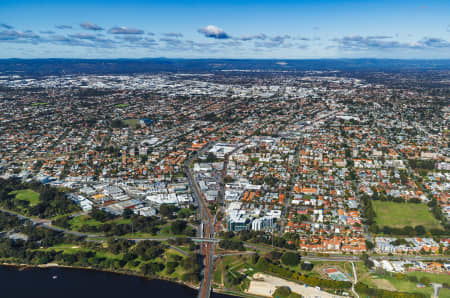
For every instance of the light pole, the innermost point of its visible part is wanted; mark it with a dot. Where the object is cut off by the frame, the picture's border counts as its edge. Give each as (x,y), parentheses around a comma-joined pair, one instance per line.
(437,288)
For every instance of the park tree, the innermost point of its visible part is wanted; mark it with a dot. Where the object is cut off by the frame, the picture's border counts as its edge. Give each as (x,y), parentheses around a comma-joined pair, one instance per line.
(290,259)
(281,292)
(127,213)
(164,210)
(211,157)
(307,266)
(420,230)
(177,227)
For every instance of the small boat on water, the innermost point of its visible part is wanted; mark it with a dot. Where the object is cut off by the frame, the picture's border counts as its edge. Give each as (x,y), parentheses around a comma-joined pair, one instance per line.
(55,276)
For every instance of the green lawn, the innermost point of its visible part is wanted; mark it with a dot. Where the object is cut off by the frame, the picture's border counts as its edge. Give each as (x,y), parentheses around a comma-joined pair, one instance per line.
(217,275)
(121,105)
(169,255)
(410,287)
(77,222)
(131,122)
(139,235)
(122,221)
(166,257)
(165,231)
(436,278)
(399,215)
(27,195)
(74,248)
(230,265)
(391,283)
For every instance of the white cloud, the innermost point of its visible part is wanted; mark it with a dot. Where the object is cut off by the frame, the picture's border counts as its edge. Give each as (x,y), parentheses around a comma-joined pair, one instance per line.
(213,32)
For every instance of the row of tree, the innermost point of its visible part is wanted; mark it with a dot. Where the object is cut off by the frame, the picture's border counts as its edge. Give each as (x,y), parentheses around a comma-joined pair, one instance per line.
(422,164)
(231,245)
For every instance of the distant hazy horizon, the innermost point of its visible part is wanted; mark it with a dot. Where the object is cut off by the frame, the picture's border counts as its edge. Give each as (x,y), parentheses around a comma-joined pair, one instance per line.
(58,66)
(225,29)
(226,58)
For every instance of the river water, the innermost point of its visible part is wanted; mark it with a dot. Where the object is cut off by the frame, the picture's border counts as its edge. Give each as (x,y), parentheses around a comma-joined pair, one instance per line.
(78,283)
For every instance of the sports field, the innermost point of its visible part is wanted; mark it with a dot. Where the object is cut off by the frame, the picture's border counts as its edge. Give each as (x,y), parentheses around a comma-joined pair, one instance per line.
(399,215)
(27,195)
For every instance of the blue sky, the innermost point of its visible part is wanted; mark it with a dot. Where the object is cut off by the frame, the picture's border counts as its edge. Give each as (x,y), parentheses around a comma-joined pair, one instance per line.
(225,29)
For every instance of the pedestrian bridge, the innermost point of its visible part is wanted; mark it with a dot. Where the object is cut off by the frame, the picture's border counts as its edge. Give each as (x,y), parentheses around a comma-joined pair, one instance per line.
(198,239)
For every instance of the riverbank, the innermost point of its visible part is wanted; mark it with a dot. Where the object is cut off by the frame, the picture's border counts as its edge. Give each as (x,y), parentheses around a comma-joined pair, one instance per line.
(55,282)
(127,273)
(217,292)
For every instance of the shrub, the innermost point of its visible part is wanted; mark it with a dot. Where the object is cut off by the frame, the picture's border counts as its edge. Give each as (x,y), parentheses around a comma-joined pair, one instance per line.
(281,292)
(290,259)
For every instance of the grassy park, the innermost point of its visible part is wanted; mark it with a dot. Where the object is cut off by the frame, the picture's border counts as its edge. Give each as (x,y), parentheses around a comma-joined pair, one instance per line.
(399,215)
(36,104)
(27,195)
(86,220)
(168,255)
(77,222)
(400,282)
(131,122)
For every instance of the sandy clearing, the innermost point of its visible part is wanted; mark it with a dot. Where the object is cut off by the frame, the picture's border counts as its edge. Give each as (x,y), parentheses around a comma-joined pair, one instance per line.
(265,285)
(384,284)
(48,265)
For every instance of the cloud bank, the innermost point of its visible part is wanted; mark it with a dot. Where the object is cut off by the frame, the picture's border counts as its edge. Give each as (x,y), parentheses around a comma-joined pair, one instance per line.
(125,30)
(90,26)
(92,36)
(63,27)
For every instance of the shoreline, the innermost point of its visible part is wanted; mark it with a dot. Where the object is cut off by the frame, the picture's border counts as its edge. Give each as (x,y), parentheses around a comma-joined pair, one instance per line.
(21,267)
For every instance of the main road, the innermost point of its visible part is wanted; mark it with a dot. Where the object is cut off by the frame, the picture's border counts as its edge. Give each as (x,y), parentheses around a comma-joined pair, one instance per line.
(206,227)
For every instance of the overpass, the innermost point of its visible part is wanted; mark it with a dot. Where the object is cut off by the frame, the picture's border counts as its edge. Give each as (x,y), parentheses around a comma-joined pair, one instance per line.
(210,240)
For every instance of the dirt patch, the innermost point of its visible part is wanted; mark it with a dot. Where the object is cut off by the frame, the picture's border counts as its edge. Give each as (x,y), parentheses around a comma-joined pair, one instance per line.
(265,285)
(48,265)
(384,284)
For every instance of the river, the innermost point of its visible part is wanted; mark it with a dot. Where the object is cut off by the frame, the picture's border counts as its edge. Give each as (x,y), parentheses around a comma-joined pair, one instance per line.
(78,283)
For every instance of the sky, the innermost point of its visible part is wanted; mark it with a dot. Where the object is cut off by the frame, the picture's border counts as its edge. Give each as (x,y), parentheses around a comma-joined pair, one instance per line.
(225,29)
